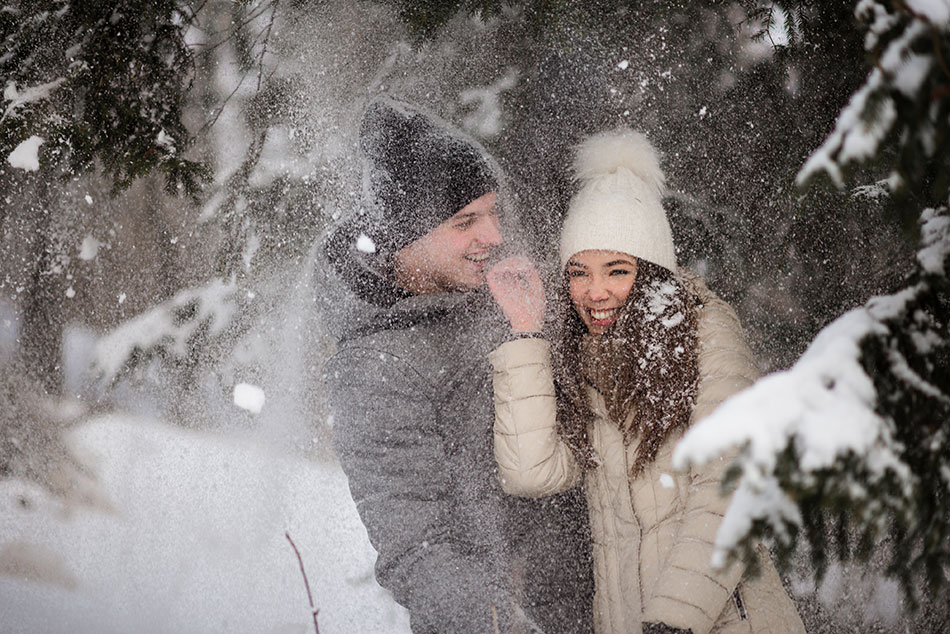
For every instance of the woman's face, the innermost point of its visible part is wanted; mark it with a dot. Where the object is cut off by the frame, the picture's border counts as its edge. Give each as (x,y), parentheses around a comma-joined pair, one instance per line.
(599,283)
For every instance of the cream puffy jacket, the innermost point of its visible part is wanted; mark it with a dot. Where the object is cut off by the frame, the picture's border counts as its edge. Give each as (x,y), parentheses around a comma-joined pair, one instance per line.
(653,535)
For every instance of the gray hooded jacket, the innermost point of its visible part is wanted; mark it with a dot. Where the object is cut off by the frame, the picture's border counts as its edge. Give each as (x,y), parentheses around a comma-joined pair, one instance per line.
(411,399)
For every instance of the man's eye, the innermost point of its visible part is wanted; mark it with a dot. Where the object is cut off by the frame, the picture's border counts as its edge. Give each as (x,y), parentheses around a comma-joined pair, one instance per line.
(619,272)
(468,224)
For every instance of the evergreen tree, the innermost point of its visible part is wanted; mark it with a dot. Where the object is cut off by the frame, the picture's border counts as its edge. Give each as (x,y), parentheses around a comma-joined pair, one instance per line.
(100,81)
(860,450)
(107,87)
(117,92)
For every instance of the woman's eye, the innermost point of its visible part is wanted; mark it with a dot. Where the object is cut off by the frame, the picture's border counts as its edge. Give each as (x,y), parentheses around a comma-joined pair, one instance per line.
(620,272)
(576,273)
(463,226)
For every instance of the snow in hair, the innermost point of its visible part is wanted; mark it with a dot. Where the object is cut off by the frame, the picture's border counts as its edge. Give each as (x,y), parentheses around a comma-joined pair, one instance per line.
(607,152)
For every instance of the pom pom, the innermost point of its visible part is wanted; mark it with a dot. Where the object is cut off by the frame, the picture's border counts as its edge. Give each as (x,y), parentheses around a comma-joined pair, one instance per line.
(605,153)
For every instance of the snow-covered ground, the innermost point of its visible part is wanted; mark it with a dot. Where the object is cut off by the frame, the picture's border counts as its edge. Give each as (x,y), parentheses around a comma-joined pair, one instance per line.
(194,541)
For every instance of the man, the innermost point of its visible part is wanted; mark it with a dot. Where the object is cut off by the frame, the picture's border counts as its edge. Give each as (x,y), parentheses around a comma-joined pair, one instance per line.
(411,398)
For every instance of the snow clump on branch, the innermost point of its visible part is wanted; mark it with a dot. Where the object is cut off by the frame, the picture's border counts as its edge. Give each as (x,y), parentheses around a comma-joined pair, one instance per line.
(906,71)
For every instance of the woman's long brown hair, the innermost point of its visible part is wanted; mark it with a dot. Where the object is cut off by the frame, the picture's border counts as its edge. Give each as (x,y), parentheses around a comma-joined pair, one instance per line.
(645,364)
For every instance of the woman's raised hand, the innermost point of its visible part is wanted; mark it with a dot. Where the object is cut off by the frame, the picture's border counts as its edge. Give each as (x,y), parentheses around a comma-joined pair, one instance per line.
(516,286)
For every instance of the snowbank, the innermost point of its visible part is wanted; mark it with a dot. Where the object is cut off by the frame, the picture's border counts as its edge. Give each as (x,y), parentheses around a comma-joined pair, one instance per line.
(195,543)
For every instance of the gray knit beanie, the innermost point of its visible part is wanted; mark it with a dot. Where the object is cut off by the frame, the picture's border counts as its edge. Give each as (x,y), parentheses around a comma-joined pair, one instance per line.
(418,171)
(618,206)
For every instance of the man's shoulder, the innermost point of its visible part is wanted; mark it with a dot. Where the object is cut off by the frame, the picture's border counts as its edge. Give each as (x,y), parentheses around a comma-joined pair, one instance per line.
(369,359)
(394,346)
(433,346)
(409,360)
(428,324)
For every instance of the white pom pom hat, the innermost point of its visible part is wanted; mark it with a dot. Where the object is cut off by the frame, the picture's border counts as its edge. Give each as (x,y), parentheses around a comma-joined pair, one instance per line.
(618,207)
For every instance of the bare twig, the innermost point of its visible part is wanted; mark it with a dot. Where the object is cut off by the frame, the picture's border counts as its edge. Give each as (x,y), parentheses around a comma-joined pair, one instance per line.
(253,15)
(270,25)
(306,582)
(262,35)
(207,125)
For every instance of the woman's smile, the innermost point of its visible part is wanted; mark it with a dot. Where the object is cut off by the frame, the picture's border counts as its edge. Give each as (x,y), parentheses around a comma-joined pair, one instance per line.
(603,317)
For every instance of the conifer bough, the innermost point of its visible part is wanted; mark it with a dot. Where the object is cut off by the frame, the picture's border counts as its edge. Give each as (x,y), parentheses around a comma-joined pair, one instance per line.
(100,82)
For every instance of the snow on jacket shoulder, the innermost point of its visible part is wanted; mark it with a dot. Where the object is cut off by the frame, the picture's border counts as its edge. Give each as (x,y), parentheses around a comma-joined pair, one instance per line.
(653,536)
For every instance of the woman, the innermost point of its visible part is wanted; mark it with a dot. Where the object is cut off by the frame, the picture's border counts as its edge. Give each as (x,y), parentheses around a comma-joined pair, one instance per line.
(645,351)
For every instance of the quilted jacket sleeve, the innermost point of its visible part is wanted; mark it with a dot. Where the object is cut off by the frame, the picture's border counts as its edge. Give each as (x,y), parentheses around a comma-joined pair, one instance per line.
(387,440)
(532,460)
(689,594)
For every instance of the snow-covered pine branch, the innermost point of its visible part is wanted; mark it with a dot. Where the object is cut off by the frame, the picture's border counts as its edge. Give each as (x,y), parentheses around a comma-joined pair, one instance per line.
(903,100)
(167,330)
(855,437)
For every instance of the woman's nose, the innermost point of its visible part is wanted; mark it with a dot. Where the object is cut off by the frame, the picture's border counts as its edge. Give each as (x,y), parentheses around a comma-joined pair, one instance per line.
(597,291)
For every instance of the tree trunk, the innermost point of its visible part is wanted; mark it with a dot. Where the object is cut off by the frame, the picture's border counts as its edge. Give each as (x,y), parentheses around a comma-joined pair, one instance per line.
(39,354)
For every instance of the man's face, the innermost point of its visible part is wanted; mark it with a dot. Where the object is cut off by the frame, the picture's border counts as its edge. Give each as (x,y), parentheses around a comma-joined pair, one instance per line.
(454,255)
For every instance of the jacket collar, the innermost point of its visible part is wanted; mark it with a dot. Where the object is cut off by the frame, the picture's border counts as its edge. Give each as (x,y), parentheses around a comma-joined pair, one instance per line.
(413,311)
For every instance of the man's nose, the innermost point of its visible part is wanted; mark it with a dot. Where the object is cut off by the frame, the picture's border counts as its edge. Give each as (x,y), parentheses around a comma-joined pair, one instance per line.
(488,232)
